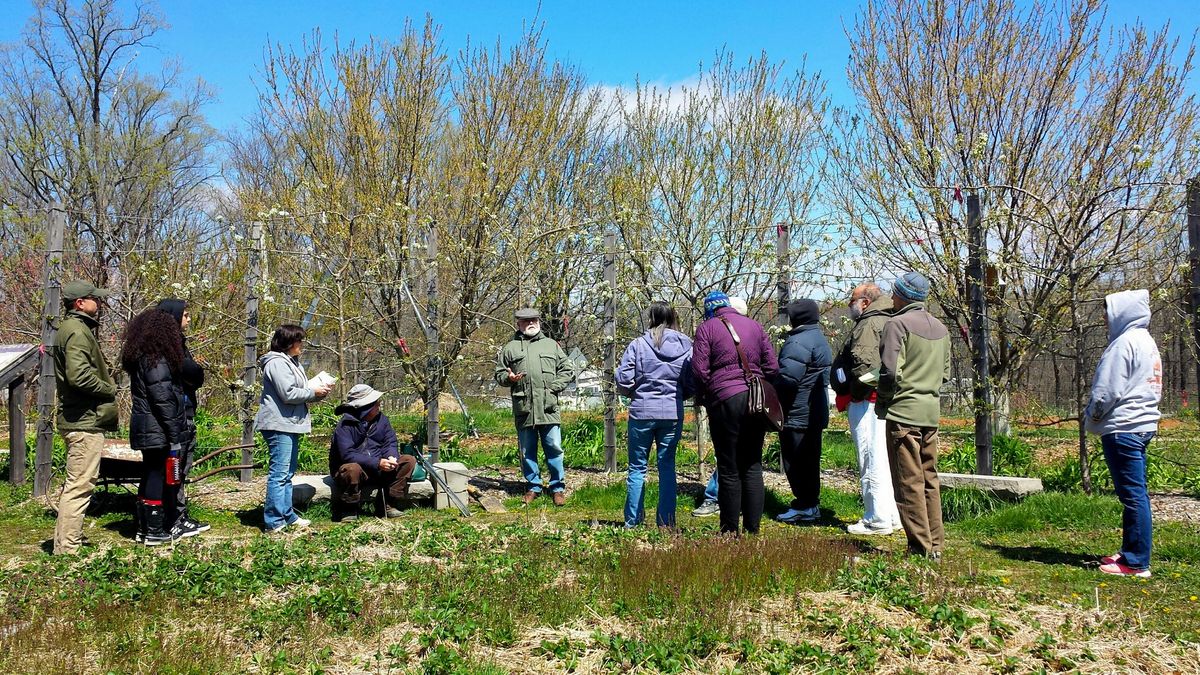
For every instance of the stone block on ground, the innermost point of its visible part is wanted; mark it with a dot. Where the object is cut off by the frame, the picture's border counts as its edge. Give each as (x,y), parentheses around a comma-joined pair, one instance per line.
(309,489)
(1004,487)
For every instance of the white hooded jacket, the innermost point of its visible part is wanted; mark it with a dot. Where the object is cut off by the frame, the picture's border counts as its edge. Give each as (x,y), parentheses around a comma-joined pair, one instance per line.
(1128,383)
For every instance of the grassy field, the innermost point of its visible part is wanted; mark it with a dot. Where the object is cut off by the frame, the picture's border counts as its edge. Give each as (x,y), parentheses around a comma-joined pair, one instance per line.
(567,589)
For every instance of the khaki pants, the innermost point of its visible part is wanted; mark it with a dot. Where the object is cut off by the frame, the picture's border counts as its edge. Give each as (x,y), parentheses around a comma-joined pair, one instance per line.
(83,468)
(912,455)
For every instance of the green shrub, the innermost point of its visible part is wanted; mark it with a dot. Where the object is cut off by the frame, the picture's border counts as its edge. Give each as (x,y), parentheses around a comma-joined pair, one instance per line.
(960,504)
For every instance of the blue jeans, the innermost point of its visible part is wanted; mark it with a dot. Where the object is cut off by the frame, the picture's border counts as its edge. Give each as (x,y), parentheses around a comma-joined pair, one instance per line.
(283,450)
(710,490)
(665,435)
(1125,455)
(551,437)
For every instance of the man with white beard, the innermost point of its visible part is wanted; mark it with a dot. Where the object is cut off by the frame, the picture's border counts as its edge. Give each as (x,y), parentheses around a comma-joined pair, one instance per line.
(870,309)
(536,370)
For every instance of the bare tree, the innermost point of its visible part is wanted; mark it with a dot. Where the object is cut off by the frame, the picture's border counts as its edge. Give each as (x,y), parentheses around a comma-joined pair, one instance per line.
(125,152)
(1072,137)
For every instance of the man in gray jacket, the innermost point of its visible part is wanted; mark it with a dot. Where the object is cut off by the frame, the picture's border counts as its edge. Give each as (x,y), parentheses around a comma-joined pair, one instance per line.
(536,371)
(1123,411)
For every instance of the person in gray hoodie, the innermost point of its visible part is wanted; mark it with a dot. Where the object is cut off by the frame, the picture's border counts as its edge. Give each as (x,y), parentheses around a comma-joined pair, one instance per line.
(655,373)
(283,418)
(1123,411)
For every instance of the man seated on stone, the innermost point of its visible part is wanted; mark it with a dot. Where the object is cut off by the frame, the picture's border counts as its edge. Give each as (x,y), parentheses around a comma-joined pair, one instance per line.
(364,454)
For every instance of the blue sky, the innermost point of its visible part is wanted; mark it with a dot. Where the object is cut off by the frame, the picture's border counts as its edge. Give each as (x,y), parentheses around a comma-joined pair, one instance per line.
(613,42)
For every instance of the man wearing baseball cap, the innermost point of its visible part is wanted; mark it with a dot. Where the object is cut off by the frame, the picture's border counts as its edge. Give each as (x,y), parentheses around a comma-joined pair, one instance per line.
(915,361)
(86,407)
(536,370)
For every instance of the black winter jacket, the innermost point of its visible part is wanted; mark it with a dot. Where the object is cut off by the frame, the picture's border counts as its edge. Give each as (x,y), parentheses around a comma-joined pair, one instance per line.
(160,412)
(804,362)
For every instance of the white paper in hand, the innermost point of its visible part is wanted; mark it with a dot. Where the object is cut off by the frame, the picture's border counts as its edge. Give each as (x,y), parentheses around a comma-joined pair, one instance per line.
(320,380)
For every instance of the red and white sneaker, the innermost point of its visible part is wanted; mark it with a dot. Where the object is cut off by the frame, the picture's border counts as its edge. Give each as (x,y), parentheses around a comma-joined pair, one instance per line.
(1110,559)
(1121,569)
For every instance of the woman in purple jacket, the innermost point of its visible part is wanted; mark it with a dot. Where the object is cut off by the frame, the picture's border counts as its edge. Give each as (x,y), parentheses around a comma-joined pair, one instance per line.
(721,384)
(655,372)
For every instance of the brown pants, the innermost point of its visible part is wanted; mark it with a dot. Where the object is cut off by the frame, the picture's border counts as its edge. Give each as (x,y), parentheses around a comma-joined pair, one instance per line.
(912,454)
(352,478)
(83,469)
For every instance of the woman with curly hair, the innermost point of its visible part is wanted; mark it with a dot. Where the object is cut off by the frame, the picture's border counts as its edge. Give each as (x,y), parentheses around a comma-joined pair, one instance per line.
(158,426)
(191,377)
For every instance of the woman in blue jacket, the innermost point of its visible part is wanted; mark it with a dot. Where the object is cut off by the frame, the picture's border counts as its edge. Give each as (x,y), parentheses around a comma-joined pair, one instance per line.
(655,372)
(804,362)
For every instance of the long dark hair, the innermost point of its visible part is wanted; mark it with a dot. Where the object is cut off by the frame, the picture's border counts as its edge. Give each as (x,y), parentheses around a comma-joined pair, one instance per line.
(150,336)
(285,336)
(662,317)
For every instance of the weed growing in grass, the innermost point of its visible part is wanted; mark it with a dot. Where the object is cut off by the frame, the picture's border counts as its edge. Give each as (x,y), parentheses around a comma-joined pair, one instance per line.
(960,504)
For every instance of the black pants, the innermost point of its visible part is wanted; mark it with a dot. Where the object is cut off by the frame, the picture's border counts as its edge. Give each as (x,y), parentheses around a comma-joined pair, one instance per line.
(801,451)
(737,444)
(153,485)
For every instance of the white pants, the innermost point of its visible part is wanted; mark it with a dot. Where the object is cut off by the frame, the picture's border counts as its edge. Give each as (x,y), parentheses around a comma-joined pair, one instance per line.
(870,445)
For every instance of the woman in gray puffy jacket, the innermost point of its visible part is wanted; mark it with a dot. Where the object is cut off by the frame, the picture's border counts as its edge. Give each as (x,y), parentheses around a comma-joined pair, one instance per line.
(283,419)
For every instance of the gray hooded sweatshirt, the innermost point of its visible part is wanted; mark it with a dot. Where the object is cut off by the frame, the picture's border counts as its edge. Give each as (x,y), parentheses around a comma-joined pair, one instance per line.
(1128,382)
(285,395)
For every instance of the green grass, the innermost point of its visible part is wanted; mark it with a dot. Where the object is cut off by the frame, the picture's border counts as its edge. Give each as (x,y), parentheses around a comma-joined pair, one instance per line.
(565,589)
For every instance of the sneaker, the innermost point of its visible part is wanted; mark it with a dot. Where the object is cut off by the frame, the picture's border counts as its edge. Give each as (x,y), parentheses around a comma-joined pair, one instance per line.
(301,522)
(1121,569)
(182,529)
(800,515)
(278,529)
(196,525)
(708,508)
(1110,559)
(560,498)
(863,528)
(390,511)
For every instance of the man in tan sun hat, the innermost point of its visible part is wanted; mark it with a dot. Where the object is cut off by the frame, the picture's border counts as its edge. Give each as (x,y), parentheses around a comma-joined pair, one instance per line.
(364,454)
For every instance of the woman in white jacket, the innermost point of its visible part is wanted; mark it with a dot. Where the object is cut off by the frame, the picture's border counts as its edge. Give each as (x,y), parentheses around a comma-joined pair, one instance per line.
(1123,411)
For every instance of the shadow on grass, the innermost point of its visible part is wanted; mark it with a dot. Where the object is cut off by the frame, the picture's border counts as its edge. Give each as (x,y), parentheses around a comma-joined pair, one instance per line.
(1045,555)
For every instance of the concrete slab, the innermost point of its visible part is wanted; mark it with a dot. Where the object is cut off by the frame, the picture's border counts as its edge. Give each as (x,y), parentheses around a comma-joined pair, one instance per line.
(1004,487)
(309,489)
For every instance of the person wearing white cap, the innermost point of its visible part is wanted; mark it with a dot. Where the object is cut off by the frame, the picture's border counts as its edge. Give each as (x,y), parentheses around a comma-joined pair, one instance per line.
(536,370)
(364,454)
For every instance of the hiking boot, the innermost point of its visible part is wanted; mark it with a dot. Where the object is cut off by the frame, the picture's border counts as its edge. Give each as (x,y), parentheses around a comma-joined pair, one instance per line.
(1123,570)
(559,498)
(529,497)
(799,515)
(863,528)
(710,507)
(344,513)
(155,534)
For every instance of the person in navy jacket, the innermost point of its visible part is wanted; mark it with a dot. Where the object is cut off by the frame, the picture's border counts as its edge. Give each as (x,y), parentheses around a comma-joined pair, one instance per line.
(364,454)
(804,362)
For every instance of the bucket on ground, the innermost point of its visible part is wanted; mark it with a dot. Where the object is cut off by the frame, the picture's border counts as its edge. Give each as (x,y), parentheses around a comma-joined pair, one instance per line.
(455,474)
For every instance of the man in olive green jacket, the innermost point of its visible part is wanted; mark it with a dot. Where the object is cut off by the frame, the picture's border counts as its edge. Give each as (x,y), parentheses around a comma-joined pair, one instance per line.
(86,407)
(536,370)
(870,309)
(914,362)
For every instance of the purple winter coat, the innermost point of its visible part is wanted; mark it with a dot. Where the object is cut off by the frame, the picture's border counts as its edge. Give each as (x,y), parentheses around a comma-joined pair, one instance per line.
(656,379)
(715,365)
